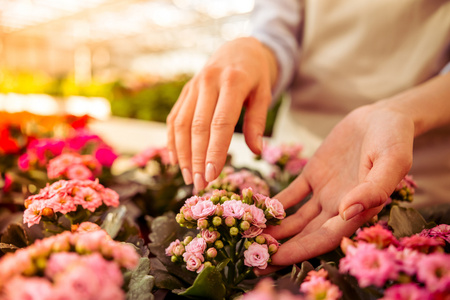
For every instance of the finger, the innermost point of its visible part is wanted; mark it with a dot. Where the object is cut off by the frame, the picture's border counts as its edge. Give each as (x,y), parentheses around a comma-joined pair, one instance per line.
(255,118)
(224,120)
(170,125)
(182,132)
(200,131)
(376,188)
(295,223)
(326,238)
(295,192)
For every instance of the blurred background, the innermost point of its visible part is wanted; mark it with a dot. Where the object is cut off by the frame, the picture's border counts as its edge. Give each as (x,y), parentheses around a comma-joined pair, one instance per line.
(125,58)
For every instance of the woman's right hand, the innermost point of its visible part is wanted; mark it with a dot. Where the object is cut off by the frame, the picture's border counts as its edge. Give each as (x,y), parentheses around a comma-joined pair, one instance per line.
(202,122)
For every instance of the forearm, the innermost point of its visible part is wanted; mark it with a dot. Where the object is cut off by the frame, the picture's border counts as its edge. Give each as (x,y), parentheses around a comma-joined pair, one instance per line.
(427,104)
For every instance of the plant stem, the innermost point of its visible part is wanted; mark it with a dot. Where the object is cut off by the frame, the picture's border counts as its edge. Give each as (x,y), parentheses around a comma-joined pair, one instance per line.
(243,276)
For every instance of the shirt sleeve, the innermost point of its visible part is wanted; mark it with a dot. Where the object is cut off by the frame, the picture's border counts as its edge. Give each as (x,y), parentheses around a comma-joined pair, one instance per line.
(446,69)
(277,24)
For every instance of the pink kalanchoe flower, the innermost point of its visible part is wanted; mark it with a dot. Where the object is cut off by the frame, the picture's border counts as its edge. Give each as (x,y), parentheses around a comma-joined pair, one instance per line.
(422,243)
(110,197)
(169,250)
(87,227)
(234,208)
(271,154)
(58,263)
(434,271)
(320,288)
(370,266)
(252,232)
(24,162)
(274,208)
(88,198)
(80,172)
(32,215)
(33,288)
(203,209)
(194,261)
(406,291)
(408,259)
(106,156)
(210,236)
(295,166)
(196,246)
(256,256)
(258,217)
(441,231)
(377,235)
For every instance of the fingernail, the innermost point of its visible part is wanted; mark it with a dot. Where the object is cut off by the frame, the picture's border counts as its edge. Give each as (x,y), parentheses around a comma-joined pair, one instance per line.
(260,142)
(352,211)
(186,175)
(172,158)
(210,173)
(198,181)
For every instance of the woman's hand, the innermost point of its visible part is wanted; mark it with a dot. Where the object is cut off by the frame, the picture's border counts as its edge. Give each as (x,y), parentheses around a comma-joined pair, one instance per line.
(351,176)
(201,124)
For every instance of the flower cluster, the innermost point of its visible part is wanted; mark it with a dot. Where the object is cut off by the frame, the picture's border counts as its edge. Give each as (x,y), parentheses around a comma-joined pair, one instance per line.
(376,258)
(74,166)
(315,286)
(81,265)
(287,157)
(39,152)
(405,190)
(236,181)
(153,153)
(64,197)
(231,227)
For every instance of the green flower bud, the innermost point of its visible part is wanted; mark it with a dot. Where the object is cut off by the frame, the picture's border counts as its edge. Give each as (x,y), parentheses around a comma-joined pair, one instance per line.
(218,244)
(247,244)
(273,248)
(244,225)
(230,221)
(260,239)
(202,224)
(215,199)
(180,219)
(234,231)
(174,259)
(217,221)
(211,252)
(187,240)
(223,199)
(235,197)
(207,264)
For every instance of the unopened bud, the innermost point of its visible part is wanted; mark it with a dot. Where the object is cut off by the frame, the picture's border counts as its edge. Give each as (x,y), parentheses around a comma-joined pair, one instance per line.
(235,197)
(217,221)
(345,243)
(214,199)
(234,231)
(260,239)
(207,264)
(187,240)
(74,227)
(211,252)
(174,259)
(219,210)
(180,219)
(47,212)
(247,217)
(218,244)
(202,224)
(28,202)
(178,250)
(230,221)
(273,248)
(247,244)
(244,225)
(223,199)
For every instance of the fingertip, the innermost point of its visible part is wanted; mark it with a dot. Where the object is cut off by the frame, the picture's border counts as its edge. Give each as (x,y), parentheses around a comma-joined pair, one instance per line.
(210,172)
(352,211)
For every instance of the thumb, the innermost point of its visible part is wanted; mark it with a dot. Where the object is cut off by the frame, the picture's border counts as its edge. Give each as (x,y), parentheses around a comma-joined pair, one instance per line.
(255,117)
(376,189)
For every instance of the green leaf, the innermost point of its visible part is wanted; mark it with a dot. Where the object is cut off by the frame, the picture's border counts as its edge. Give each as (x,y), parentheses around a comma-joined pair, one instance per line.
(405,221)
(299,274)
(140,284)
(114,220)
(207,285)
(14,235)
(8,247)
(223,264)
(163,279)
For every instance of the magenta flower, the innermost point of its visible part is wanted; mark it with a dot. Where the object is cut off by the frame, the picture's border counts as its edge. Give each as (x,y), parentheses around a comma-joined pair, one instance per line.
(256,256)
(320,288)
(441,231)
(377,235)
(423,244)
(407,291)
(369,265)
(434,271)
(105,156)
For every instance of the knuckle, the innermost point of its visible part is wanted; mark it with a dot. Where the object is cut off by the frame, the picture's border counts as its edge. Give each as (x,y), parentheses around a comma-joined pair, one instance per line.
(233,76)
(180,125)
(199,127)
(222,122)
